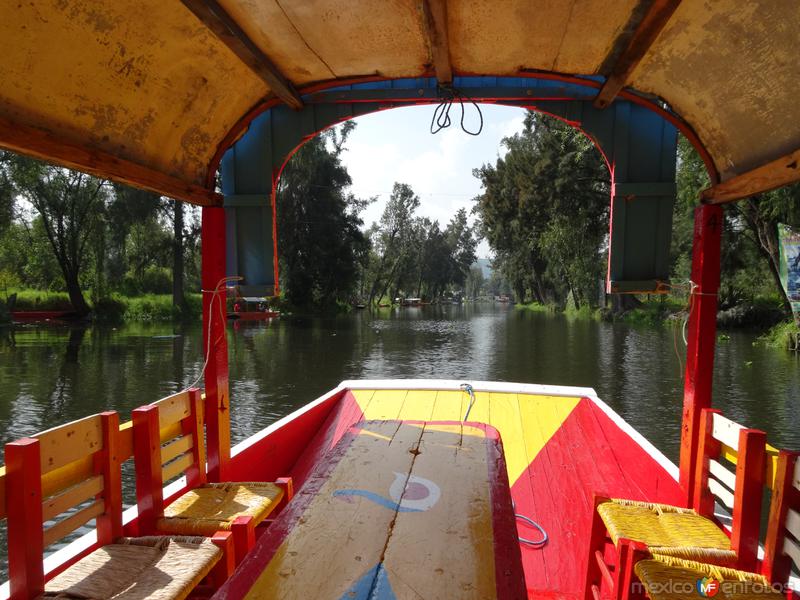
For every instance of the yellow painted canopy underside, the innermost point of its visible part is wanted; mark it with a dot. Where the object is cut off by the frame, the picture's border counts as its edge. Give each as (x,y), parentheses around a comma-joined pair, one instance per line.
(145,80)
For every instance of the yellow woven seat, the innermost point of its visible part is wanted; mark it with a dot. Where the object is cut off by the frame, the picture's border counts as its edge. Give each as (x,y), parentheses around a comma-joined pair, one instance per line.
(158,568)
(667,530)
(670,578)
(213,507)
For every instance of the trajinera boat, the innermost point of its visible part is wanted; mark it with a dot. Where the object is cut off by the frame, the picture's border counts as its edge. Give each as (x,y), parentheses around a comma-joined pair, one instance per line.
(404,489)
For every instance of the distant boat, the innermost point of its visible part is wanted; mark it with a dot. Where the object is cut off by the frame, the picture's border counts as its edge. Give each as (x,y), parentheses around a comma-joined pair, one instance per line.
(34,316)
(410,301)
(252,309)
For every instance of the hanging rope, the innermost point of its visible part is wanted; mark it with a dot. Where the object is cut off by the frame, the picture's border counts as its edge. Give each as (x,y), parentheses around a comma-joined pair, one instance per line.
(465,387)
(441,115)
(214,296)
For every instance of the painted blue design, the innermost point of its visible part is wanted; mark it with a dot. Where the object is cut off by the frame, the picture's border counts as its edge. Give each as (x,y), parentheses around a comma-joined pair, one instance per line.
(377,499)
(373,585)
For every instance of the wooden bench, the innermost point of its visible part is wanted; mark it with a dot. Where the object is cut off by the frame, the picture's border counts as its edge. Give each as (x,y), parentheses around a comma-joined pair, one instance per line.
(398,506)
(69,476)
(168,442)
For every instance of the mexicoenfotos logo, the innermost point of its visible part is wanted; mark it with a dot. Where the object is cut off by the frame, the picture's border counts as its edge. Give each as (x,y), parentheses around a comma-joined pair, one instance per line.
(707,587)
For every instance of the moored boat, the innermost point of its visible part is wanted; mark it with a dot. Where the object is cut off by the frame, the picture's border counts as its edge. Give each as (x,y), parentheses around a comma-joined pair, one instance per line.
(252,309)
(31,316)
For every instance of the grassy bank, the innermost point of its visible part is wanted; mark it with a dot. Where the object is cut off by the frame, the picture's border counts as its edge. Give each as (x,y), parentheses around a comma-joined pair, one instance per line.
(652,312)
(536,307)
(147,307)
(150,307)
(783,335)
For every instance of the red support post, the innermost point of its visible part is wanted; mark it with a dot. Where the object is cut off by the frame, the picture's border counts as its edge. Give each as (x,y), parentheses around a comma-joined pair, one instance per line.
(244,537)
(109,525)
(147,462)
(227,563)
(196,474)
(24,518)
(707,448)
(701,337)
(777,566)
(214,319)
(750,469)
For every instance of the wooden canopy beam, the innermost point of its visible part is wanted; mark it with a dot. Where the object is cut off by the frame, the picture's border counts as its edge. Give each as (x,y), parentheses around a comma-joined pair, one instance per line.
(221,24)
(765,178)
(643,37)
(43,145)
(435,17)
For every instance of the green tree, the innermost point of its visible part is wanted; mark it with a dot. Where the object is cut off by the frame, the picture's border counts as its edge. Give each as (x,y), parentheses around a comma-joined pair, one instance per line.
(319,236)
(394,239)
(544,212)
(69,205)
(750,261)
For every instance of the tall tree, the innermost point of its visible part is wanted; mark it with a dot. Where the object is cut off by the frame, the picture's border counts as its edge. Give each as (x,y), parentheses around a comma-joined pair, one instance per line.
(395,238)
(178,298)
(544,211)
(69,204)
(319,237)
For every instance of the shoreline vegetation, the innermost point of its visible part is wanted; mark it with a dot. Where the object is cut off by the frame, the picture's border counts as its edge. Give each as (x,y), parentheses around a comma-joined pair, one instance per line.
(115,308)
(764,316)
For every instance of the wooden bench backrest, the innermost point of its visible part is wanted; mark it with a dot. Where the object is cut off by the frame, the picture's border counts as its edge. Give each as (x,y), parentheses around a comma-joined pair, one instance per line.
(56,472)
(168,441)
(782,546)
(740,491)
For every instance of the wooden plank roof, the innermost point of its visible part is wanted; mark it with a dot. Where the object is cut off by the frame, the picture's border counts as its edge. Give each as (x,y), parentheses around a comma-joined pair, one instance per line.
(148,91)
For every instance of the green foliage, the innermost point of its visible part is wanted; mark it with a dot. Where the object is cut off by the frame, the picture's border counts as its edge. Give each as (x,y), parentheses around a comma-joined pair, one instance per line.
(750,254)
(319,233)
(544,211)
(28,299)
(654,311)
(785,335)
(66,231)
(535,307)
(148,307)
(412,256)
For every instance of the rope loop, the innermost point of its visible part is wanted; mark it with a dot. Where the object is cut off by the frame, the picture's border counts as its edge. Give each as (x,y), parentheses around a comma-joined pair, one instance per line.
(441,114)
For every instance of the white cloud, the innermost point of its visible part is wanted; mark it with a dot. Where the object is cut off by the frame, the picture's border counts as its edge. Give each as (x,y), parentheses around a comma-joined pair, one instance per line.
(396,145)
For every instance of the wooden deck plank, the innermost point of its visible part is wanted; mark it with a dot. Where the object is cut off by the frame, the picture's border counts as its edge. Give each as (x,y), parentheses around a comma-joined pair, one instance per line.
(415,507)
(358,526)
(348,410)
(612,474)
(418,405)
(383,404)
(442,554)
(450,406)
(480,408)
(638,466)
(505,417)
(566,489)
(540,423)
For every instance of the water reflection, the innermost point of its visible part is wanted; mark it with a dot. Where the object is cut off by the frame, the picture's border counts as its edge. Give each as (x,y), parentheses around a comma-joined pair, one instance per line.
(50,375)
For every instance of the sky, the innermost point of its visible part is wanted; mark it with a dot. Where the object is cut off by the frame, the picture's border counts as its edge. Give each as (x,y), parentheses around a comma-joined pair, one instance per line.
(396,145)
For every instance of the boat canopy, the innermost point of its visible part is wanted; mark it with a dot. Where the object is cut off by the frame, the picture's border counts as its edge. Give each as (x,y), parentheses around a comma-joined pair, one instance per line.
(152,92)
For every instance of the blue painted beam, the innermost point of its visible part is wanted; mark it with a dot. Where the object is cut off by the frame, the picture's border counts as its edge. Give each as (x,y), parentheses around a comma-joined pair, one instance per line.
(639,145)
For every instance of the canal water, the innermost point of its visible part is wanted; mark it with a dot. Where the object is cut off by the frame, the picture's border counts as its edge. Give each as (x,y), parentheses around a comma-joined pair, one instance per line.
(51,375)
